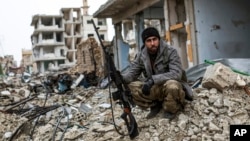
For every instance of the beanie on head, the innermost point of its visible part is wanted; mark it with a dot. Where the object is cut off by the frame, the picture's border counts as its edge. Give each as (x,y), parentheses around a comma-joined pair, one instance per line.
(148,32)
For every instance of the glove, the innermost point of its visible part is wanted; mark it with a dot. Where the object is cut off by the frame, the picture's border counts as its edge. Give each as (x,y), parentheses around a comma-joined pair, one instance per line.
(147,86)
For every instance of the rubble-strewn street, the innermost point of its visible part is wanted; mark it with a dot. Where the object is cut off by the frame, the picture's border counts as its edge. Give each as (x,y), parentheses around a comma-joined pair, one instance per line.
(84,114)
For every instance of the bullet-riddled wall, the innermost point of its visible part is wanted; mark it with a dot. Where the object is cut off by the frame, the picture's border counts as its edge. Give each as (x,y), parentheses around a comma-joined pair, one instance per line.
(222,28)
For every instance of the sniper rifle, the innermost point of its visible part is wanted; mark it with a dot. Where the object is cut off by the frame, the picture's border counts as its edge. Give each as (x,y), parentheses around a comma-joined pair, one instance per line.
(123,94)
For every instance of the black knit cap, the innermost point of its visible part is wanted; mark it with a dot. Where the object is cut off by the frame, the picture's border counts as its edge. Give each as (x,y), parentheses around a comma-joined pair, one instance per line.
(148,32)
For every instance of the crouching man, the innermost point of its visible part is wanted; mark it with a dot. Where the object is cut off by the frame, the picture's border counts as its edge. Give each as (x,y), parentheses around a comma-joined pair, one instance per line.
(163,85)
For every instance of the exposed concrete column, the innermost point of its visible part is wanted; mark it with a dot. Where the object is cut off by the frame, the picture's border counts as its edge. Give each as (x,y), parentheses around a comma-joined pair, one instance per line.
(53,21)
(40,37)
(139,27)
(56,63)
(42,69)
(54,37)
(71,14)
(40,53)
(39,21)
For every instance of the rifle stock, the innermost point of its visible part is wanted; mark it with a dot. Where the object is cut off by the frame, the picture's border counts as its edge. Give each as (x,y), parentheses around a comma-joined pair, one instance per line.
(123,93)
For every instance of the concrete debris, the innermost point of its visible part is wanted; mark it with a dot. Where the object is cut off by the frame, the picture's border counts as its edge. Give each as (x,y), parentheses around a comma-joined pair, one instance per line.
(84,113)
(222,77)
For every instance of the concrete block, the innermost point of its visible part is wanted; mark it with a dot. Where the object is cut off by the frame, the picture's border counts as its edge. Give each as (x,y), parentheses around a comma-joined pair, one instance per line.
(219,76)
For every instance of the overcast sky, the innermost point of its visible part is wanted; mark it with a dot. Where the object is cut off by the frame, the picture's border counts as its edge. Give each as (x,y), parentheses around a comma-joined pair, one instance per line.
(16,16)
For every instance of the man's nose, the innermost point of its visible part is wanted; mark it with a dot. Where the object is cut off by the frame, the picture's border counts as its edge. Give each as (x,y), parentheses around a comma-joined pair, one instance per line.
(152,42)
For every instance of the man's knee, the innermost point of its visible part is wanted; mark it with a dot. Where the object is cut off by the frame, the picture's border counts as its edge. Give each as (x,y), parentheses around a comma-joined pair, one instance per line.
(174,96)
(172,85)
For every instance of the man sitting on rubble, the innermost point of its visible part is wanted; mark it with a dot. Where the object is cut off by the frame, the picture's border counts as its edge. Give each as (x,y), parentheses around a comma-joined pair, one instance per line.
(161,66)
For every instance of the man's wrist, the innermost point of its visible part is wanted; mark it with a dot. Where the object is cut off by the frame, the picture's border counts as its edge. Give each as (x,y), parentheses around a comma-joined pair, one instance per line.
(150,82)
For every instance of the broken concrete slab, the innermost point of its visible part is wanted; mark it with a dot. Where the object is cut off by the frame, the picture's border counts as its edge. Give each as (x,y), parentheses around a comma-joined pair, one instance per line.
(219,76)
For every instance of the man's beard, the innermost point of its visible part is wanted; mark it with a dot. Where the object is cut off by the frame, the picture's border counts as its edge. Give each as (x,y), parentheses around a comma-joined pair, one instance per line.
(153,50)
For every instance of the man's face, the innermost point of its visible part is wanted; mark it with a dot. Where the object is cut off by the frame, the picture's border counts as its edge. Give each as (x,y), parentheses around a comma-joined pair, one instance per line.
(152,44)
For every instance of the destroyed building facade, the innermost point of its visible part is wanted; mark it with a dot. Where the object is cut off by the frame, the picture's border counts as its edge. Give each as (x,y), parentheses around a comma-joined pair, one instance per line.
(55,37)
(198,29)
(48,43)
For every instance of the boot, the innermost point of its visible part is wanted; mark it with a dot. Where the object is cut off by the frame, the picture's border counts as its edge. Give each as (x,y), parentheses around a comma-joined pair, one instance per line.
(154,110)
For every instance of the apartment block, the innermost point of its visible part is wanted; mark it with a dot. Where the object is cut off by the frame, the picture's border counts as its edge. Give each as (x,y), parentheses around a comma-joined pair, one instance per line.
(48,43)
(55,37)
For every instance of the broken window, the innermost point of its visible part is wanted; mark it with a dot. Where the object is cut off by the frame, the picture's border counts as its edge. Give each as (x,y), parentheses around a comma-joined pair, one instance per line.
(60,62)
(89,22)
(59,37)
(46,64)
(48,37)
(102,36)
(78,40)
(101,22)
(90,35)
(49,51)
(77,29)
(66,15)
(62,52)
(47,21)
(75,14)
(70,56)
(59,22)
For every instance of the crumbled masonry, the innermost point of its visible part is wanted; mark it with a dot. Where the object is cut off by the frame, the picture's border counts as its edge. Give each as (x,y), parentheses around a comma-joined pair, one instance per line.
(85,114)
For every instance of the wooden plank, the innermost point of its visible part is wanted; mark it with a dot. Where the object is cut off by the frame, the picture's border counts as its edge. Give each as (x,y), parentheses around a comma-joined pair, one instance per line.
(139,6)
(190,52)
(188,32)
(168,36)
(177,26)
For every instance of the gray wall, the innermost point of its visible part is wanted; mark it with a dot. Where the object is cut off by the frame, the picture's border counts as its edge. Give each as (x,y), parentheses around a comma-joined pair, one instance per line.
(222,29)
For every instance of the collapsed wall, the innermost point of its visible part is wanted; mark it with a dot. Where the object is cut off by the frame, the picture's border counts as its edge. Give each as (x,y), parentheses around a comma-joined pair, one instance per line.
(90,57)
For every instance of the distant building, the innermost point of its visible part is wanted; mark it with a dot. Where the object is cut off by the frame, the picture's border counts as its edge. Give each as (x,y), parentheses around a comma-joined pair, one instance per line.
(8,64)
(55,37)
(88,28)
(27,61)
(48,43)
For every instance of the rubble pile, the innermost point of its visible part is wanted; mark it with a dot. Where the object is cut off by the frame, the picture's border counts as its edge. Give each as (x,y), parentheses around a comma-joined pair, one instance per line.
(10,123)
(85,114)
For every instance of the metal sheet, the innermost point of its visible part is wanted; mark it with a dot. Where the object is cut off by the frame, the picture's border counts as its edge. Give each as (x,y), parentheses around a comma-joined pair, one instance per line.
(241,64)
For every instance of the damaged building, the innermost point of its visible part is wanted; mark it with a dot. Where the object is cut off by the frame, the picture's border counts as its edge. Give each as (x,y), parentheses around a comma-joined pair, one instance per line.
(48,43)
(198,29)
(9,66)
(60,108)
(27,61)
(56,37)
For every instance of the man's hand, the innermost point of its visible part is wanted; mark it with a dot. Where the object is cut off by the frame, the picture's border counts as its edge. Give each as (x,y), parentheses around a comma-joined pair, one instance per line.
(147,86)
